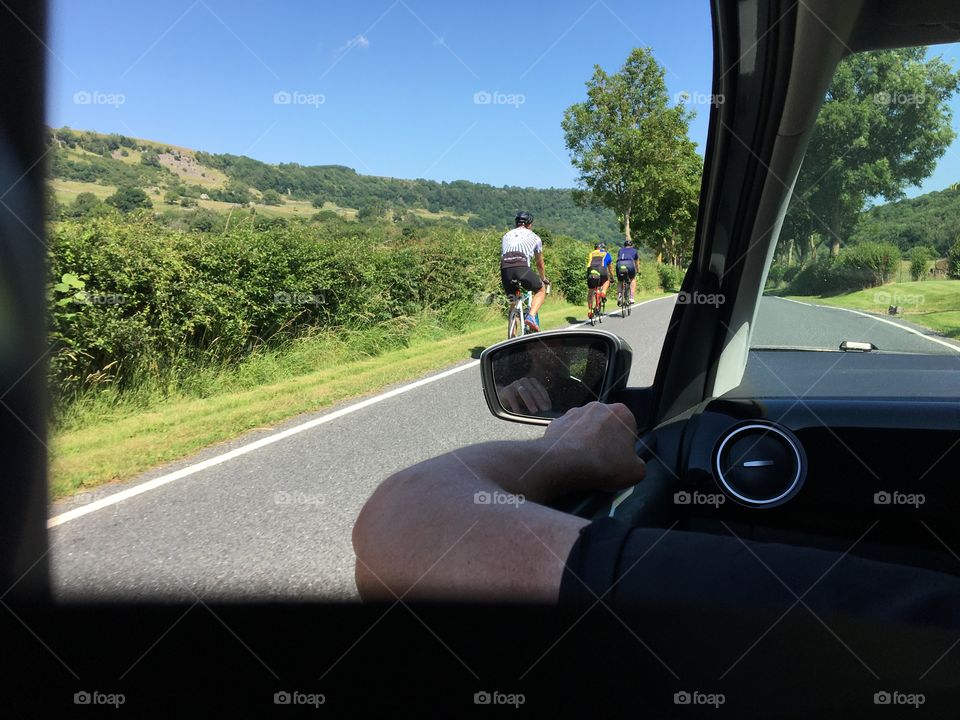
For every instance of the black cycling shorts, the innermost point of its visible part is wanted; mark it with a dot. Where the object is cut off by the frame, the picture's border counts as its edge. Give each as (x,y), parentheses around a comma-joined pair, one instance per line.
(626,271)
(525,276)
(595,278)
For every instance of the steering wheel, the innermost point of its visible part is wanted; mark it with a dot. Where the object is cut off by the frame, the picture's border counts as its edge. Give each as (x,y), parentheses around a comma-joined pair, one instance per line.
(649,503)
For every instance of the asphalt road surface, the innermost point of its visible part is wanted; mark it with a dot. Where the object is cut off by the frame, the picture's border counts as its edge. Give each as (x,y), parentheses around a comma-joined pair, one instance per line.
(275,521)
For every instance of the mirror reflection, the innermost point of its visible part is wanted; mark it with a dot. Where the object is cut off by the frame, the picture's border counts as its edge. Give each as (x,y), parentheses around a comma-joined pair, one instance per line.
(548,376)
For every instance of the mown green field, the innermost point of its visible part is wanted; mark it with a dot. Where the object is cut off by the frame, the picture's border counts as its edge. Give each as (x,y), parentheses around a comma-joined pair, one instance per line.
(934,304)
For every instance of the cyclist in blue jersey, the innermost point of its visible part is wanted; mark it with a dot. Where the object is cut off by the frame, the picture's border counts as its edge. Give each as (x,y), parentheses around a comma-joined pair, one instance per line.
(628,265)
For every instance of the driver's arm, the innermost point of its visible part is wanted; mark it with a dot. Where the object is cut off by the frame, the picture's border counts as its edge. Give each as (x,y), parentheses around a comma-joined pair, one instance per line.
(456,526)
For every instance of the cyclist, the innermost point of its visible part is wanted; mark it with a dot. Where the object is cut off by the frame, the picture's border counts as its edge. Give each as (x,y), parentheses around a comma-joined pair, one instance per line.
(628,265)
(598,275)
(517,247)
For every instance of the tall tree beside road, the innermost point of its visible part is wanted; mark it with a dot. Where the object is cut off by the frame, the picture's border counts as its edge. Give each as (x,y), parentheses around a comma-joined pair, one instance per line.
(632,150)
(883,125)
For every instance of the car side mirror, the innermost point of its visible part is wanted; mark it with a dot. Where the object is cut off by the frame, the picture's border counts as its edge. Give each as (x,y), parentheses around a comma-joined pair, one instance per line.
(536,378)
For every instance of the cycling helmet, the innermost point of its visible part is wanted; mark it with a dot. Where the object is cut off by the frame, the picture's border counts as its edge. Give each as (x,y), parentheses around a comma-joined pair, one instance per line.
(600,246)
(524,218)
(628,243)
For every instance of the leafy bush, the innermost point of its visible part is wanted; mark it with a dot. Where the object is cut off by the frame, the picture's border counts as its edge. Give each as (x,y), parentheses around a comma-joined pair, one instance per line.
(132,298)
(775,275)
(953,260)
(670,277)
(920,258)
(857,267)
(86,203)
(271,197)
(128,199)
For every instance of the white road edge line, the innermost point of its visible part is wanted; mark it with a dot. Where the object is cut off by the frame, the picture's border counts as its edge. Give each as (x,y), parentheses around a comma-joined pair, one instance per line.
(243,450)
(262,442)
(879,319)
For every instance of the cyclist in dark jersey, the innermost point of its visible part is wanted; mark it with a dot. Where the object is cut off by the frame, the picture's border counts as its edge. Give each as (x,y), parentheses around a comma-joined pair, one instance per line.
(628,265)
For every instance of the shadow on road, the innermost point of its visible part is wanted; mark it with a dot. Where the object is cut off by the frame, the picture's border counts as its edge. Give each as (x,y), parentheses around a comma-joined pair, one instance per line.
(475,352)
(572,320)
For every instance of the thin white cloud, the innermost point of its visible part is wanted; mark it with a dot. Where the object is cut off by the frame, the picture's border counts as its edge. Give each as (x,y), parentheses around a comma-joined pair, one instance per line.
(360,41)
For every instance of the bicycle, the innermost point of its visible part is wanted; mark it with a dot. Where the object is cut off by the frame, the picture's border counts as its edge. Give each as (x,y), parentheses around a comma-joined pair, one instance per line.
(598,302)
(520,300)
(623,296)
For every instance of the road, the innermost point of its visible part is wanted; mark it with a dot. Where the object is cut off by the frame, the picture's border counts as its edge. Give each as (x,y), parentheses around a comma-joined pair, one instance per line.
(275,522)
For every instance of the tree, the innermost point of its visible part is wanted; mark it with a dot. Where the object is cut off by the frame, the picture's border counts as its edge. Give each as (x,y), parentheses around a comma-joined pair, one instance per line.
(171,197)
(883,125)
(271,197)
(371,210)
(920,258)
(127,199)
(84,204)
(53,208)
(953,260)
(626,142)
(317,202)
(673,224)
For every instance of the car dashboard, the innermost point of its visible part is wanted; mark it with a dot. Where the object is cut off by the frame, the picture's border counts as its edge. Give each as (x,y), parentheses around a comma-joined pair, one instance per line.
(829,461)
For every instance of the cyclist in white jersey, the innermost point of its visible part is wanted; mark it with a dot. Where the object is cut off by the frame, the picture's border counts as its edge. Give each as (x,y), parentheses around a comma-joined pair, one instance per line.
(517,248)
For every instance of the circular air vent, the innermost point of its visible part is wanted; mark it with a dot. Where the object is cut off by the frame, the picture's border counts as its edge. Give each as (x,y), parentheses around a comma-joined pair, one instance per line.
(759,464)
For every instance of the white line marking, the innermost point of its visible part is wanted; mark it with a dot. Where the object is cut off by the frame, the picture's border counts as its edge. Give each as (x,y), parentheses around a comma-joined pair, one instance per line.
(257,444)
(243,450)
(955,348)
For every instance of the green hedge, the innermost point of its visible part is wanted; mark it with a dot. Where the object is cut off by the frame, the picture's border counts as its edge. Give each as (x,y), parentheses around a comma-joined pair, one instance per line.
(130,297)
(856,267)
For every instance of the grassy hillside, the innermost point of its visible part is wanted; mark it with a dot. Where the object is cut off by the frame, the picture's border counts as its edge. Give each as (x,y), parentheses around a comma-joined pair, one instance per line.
(931,220)
(94,162)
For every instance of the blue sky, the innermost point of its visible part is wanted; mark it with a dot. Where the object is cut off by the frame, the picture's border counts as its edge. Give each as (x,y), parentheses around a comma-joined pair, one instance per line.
(405,88)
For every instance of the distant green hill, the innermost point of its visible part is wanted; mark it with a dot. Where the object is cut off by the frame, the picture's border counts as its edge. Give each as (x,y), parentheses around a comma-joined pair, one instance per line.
(117,160)
(932,219)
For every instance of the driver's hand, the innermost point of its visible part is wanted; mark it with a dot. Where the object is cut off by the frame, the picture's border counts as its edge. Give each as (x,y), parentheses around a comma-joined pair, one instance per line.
(604,437)
(526,396)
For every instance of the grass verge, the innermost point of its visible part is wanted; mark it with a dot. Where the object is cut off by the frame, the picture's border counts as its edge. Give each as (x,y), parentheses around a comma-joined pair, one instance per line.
(107,438)
(933,304)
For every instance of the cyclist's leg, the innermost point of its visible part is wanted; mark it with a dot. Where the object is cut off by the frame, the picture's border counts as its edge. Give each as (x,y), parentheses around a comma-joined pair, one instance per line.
(531,281)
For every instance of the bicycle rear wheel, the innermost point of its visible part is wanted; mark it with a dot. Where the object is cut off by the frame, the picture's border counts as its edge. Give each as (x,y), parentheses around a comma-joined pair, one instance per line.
(624,299)
(514,323)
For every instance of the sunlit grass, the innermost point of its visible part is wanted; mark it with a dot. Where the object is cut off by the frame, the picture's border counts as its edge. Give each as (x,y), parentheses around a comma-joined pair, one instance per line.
(109,436)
